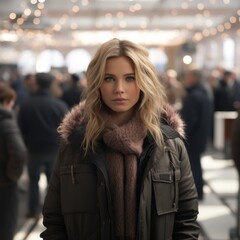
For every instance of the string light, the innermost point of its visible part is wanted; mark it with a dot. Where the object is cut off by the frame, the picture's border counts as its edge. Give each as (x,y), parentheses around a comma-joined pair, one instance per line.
(203,18)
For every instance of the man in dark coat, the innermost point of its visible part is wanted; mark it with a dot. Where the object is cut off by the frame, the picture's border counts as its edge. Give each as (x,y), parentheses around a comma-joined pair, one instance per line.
(226,94)
(38,118)
(73,94)
(197,114)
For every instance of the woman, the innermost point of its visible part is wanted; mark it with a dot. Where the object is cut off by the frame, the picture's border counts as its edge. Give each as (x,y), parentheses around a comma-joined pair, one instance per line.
(12,158)
(122,171)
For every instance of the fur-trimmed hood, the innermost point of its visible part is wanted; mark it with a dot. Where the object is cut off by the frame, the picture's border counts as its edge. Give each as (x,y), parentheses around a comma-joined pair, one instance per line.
(74,118)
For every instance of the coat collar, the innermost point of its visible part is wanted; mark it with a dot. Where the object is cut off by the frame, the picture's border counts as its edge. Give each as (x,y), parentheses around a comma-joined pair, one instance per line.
(72,127)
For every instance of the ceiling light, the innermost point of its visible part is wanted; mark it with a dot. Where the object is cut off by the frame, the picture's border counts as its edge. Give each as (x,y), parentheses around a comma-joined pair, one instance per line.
(33,2)
(227,25)
(8,37)
(226,1)
(197,36)
(120,14)
(233,19)
(20,21)
(187,59)
(142,37)
(200,6)
(12,16)
(213,31)
(85,2)
(209,22)
(27,12)
(37,13)
(75,8)
(40,5)
(206,32)
(57,27)
(220,28)
(36,21)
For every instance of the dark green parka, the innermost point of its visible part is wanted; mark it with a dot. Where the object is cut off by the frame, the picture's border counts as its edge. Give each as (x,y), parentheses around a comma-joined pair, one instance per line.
(78,203)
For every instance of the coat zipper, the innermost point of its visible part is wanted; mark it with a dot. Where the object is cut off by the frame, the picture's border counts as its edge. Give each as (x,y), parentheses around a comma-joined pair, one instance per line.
(144,157)
(97,160)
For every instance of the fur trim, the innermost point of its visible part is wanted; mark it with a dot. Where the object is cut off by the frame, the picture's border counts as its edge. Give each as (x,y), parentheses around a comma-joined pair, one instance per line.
(75,117)
(72,120)
(173,119)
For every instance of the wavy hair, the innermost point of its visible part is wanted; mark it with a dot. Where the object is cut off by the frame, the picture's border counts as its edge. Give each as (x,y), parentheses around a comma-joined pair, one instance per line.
(152,92)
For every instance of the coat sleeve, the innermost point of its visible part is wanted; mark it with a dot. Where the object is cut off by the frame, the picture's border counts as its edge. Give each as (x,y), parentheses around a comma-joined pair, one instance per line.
(16,149)
(53,219)
(186,226)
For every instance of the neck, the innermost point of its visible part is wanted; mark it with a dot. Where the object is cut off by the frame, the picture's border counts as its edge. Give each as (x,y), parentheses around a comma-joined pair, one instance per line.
(120,118)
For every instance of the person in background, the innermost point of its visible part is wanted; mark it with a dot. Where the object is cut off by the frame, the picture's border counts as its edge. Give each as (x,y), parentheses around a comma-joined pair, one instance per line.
(38,118)
(122,171)
(226,93)
(56,88)
(175,90)
(73,94)
(13,156)
(17,83)
(197,114)
(29,81)
(235,142)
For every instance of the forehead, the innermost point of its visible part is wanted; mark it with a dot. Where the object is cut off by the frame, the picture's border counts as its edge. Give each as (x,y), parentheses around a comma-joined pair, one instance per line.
(119,63)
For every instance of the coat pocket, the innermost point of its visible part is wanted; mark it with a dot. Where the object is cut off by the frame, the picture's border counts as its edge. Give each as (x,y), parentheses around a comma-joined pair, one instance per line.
(78,189)
(165,186)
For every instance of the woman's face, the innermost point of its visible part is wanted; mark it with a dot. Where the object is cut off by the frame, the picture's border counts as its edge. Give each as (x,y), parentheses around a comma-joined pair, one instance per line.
(119,89)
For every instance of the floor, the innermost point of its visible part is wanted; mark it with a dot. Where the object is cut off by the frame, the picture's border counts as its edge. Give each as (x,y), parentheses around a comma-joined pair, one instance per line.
(217,212)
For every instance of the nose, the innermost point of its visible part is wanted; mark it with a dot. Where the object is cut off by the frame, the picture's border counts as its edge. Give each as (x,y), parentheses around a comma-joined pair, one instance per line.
(119,87)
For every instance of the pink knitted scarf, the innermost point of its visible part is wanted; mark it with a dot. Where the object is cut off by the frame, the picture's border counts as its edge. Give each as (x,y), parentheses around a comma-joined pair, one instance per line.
(125,147)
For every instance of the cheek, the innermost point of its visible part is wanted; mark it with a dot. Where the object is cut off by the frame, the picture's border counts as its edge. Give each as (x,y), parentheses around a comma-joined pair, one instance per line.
(105,93)
(136,92)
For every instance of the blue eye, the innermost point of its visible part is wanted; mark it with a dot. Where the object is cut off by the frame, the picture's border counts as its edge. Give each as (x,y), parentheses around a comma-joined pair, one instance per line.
(108,78)
(130,78)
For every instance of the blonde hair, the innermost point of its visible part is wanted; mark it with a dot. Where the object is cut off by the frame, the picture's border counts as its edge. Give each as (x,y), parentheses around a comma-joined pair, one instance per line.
(152,92)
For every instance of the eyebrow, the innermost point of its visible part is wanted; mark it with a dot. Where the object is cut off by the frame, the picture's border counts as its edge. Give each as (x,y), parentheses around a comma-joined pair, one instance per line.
(127,74)
(110,74)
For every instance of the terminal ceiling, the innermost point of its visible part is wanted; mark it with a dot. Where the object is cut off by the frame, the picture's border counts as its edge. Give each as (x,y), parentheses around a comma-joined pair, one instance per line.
(77,23)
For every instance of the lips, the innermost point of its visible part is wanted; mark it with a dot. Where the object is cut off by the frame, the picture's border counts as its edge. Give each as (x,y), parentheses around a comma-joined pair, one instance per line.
(120,100)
